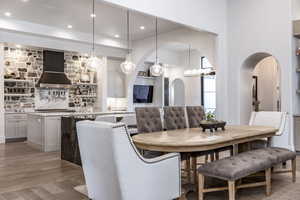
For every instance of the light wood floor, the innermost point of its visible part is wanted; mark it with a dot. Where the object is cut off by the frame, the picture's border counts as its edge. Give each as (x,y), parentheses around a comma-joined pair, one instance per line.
(27,174)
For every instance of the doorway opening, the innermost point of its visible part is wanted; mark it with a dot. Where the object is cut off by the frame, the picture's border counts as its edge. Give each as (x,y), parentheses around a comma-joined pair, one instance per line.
(260,85)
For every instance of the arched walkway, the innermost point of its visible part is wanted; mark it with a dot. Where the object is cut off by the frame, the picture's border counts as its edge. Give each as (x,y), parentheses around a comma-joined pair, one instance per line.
(246,84)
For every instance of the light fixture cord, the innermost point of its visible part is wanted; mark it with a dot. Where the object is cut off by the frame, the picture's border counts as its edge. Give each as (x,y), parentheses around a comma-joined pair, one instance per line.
(128,25)
(189,55)
(93,17)
(156,33)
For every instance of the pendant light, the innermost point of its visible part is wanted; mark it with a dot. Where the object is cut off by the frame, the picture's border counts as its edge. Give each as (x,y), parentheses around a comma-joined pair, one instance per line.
(93,61)
(156,69)
(128,66)
(191,72)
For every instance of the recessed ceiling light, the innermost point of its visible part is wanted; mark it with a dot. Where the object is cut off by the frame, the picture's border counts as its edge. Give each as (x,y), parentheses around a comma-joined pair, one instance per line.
(18,46)
(24,1)
(142,27)
(70,26)
(7,14)
(93,15)
(117,36)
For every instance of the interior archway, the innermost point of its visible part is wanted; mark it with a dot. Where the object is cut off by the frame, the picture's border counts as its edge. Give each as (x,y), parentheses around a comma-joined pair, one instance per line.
(247,101)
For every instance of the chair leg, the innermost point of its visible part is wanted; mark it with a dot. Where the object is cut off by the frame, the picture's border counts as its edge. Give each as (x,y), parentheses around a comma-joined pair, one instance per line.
(268,173)
(294,170)
(232,190)
(188,168)
(212,157)
(206,159)
(217,155)
(200,187)
(194,167)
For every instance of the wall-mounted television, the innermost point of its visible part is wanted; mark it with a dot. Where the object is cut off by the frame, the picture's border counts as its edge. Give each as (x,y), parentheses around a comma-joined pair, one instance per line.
(142,93)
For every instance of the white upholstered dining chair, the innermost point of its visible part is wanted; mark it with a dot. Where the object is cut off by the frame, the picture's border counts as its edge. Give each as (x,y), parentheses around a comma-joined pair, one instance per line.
(273,119)
(269,118)
(114,169)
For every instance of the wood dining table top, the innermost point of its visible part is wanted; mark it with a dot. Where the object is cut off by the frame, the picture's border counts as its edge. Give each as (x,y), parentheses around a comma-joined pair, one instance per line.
(195,140)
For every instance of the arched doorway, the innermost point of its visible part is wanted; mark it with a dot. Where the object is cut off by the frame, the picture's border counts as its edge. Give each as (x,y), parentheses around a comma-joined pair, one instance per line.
(178,93)
(260,85)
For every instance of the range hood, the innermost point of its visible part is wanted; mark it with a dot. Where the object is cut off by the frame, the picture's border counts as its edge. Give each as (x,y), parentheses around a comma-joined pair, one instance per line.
(53,75)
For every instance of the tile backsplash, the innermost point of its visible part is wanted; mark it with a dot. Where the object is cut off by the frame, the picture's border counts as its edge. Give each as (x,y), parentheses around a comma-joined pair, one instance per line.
(23,68)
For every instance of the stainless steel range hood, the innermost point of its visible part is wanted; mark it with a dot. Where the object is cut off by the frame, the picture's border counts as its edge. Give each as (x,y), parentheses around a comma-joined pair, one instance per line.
(53,75)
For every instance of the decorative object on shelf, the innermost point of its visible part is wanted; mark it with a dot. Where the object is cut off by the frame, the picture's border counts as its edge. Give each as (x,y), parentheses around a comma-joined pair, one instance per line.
(298,52)
(128,66)
(143,73)
(93,61)
(156,69)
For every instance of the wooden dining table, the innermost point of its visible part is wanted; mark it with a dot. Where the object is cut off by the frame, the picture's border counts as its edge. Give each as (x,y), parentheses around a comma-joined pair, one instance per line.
(197,140)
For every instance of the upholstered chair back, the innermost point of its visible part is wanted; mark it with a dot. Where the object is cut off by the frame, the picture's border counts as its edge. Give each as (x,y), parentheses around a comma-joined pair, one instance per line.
(174,118)
(195,115)
(273,119)
(148,119)
(114,169)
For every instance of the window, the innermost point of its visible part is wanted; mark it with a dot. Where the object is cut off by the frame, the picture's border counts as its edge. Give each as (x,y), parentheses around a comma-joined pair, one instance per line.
(208,88)
(205,64)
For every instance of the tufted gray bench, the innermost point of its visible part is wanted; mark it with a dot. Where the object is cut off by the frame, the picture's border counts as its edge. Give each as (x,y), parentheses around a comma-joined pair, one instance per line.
(242,165)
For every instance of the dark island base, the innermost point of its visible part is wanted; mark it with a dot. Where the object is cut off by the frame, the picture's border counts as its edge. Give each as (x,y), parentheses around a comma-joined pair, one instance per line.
(69,141)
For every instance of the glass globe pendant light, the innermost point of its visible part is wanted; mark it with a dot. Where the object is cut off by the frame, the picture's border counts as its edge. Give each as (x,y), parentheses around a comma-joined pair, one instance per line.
(156,69)
(93,62)
(128,66)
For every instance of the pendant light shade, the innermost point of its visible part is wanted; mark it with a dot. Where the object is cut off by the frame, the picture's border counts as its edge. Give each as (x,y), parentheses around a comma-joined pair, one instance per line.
(93,62)
(156,69)
(128,66)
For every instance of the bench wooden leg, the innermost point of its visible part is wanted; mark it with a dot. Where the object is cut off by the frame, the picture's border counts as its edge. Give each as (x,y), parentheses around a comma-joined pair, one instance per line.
(268,181)
(294,170)
(200,187)
(232,190)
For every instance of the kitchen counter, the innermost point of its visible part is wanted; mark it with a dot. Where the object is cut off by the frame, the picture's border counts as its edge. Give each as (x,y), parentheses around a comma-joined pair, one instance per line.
(53,114)
(44,129)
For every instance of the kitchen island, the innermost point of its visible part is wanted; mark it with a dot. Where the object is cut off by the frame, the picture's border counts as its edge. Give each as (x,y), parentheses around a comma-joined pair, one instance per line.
(44,129)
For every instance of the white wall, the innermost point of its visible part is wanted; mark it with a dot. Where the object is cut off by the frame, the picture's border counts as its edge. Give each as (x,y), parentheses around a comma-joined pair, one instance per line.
(116,79)
(260,26)
(205,15)
(267,74)
(2,127)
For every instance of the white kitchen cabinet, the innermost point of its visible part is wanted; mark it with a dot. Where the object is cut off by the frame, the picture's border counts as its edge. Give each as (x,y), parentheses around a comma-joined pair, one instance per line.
(44,132)
(297,132)
(15,126)
(52,133)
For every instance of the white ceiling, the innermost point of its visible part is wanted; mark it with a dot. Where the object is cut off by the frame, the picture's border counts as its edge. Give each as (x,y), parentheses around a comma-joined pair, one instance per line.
(110,20)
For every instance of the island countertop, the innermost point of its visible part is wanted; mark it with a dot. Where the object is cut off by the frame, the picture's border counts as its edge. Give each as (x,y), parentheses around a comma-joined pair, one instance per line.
(53,114)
